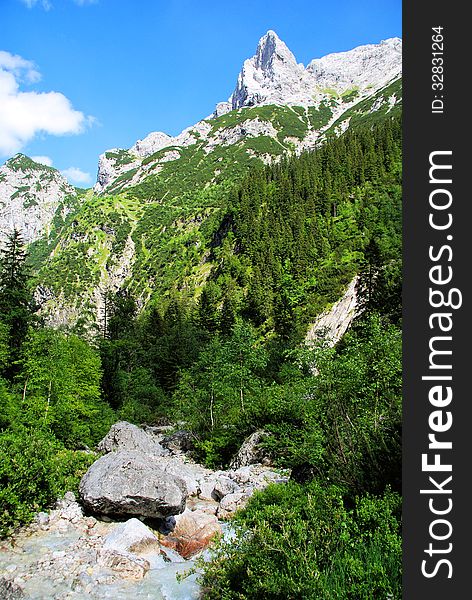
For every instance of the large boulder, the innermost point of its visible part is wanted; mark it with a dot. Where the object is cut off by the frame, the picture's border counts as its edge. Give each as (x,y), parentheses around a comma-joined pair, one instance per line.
(251,452)
(194,530)
(126,436)
(130,483)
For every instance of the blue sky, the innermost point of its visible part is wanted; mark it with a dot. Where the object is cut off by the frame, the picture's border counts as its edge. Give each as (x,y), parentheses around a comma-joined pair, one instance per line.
(81,76)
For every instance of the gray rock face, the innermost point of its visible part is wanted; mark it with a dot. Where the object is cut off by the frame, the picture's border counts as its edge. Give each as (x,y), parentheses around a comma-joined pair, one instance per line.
(332,324)
(250,452)
(179,441)
(125,436)
(30,194)
(130,483)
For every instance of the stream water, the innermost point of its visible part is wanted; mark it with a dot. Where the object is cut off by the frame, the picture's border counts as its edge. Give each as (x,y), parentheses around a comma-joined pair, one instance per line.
(94,581)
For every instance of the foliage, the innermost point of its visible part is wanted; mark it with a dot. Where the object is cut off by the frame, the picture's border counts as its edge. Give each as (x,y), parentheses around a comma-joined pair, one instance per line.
(16,305)
(219,393)
(345,422)
(60,377)
(298,541)
(35,469)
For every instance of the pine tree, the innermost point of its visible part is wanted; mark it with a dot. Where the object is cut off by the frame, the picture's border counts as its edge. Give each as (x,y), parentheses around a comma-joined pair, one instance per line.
(16,304)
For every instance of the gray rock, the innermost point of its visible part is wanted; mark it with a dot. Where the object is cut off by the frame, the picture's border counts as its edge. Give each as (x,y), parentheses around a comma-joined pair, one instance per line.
(130,483)
(191,473)
(179,441)
(128,549)
(223,487)
(69,496)
(131,536)
(42,518)
(250,452)
(231,503)
(127,565)
(126,436)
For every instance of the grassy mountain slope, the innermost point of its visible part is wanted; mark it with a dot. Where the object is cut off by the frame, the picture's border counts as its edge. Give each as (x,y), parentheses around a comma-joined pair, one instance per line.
(156,234)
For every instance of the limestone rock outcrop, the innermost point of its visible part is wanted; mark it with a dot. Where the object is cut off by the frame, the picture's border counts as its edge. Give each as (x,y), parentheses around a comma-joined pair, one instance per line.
(30,195)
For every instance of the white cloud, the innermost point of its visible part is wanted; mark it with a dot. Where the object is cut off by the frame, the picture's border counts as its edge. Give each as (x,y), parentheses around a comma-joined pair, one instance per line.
(25,114)
(23,70)
(75,175)
(46,4)
(43,160)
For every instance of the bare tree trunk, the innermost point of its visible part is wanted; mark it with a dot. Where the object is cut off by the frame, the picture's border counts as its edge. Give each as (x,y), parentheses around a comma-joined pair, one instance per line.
(48,401)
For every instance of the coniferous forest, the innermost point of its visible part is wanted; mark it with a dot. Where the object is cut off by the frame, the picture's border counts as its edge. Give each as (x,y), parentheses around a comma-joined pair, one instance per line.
(286,243)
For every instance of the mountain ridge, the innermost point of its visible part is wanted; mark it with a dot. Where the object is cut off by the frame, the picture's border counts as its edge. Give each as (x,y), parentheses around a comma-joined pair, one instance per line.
(145,225)
(271,77)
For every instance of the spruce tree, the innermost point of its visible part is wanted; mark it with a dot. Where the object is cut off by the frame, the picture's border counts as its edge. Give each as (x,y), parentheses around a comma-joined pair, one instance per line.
(16,304)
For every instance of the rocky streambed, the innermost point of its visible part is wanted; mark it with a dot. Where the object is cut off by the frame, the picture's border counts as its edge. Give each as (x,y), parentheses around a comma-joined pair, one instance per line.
(144,513)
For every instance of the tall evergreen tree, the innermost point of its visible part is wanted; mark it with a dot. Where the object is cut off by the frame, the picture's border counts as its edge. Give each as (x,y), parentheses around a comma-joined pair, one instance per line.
(16,303)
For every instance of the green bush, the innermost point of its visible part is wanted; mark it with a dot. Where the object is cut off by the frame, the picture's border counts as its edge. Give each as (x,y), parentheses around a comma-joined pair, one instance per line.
(61,380)
(35,468)
(298,541)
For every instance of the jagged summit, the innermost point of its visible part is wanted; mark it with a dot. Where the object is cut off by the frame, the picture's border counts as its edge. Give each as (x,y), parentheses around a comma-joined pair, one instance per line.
(271,77)
(271,50)
(270,73)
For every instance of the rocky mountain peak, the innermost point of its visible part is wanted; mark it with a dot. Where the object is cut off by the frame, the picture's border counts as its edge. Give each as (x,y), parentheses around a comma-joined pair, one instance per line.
(271,51)
(30,194)
(271,75)
(370,65)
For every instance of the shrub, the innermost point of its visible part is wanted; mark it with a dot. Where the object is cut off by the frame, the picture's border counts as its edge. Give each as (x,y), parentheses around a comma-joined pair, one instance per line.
(35,468)
(298,541)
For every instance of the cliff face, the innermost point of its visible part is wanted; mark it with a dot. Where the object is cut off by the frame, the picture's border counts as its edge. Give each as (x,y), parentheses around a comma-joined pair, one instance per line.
(30,195)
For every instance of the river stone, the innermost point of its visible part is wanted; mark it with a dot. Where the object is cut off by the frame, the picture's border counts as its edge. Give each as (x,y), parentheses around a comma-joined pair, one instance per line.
(232,502)
(179,441)
(131,536)
(127,565)
(224,486)
(193,532)
(10,590)
(125,436)
(130,483)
